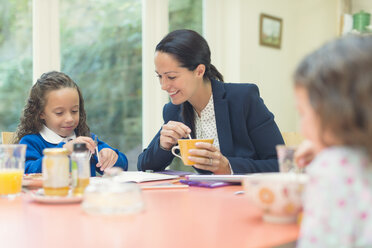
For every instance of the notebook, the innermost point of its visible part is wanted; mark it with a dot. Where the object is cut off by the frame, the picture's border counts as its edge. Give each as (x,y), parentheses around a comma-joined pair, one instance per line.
(205,184)
(219,178)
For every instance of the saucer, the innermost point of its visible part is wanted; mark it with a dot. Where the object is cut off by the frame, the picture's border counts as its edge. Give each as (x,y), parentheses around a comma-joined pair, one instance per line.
(33,180)
(39,196)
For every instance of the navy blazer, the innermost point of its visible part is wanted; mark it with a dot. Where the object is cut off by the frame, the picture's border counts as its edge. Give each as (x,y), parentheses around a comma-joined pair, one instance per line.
(246,129)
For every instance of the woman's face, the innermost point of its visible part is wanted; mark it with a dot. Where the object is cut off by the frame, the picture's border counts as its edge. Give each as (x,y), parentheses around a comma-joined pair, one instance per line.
(180,83)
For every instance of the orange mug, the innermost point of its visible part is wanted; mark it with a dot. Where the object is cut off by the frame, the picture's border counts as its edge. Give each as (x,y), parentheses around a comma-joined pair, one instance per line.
(184,145)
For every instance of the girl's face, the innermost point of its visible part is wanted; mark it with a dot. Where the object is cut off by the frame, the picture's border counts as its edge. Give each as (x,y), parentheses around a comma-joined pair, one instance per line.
(309,121)
(180,83)
(61,112)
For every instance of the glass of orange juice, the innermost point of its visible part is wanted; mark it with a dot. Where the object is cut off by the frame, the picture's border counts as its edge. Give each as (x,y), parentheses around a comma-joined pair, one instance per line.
(12,161)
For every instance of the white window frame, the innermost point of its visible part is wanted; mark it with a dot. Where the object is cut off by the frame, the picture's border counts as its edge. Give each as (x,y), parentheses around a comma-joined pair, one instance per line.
(154,27)
(45,36)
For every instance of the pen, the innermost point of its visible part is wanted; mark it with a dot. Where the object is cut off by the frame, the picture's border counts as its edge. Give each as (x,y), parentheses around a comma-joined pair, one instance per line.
(174,181)
(166,185)
(97,153)
(95,141)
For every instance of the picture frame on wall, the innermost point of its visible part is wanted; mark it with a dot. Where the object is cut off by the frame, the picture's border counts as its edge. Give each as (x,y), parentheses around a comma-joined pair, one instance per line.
(271,31)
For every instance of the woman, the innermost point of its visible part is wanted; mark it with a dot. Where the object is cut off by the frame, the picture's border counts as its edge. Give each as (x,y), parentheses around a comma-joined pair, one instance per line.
(243,129)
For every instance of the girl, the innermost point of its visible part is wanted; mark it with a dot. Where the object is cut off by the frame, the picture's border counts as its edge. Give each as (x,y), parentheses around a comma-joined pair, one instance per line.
(234,115)
(54,116)
(333,89)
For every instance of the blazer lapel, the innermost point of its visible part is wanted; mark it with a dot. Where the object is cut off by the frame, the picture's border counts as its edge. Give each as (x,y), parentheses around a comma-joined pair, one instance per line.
(222,118)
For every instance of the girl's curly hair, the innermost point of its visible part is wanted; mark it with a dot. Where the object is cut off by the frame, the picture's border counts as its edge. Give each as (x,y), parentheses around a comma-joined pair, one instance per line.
(30,122)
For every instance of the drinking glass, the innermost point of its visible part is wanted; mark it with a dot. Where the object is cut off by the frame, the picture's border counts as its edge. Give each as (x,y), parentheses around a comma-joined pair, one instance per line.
(12,162)
(286,158)
(108,196)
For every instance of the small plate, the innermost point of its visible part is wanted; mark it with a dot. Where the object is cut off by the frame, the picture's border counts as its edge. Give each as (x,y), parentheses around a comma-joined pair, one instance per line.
(40,197)
(33,180)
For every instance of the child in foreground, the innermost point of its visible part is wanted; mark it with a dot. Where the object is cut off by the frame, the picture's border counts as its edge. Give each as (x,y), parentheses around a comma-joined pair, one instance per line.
(54,117)
(333,89)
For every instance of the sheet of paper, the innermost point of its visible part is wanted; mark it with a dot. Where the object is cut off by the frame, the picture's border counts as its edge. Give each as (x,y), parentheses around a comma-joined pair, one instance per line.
(140,176)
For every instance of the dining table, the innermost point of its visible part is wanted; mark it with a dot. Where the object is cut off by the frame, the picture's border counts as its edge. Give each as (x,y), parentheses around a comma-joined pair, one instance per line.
(172,217)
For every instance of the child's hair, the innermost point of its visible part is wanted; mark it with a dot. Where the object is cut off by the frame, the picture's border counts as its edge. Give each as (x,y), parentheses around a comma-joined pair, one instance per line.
(338,80)
(30,122)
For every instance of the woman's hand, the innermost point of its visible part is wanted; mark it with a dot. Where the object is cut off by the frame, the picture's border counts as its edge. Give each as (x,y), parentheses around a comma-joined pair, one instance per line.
(107,158)
(209,158)
(81,139)
(305,153)
(171,132)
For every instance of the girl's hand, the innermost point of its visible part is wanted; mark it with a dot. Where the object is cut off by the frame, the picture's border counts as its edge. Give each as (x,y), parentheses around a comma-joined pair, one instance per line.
(81,139)
(171,132)
(210,158)
(107,158)
(305,153)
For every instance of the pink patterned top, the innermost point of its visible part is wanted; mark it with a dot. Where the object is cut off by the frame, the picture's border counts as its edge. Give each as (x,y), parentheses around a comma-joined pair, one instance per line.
(338,200)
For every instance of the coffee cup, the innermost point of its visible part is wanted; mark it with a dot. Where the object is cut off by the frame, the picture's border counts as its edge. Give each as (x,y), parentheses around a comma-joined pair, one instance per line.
(184,145)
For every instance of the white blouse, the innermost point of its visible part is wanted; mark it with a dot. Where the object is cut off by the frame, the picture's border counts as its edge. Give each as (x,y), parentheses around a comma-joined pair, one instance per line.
(205,125)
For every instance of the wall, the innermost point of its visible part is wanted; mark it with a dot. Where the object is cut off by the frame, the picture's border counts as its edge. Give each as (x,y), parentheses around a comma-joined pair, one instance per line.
(268,67)
(221,25)
(234,41)
(318,22)
(358,5)
(306,25)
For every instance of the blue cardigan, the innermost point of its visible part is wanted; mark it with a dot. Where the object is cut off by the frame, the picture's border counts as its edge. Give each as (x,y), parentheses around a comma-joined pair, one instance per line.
(246,130)
(36,144)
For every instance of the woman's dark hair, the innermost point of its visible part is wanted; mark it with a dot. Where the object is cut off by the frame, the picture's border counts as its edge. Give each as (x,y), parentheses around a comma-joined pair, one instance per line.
(30,122)
(190,49)
(338,80)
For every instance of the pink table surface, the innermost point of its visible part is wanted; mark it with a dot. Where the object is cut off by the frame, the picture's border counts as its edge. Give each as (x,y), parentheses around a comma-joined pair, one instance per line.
(192,217)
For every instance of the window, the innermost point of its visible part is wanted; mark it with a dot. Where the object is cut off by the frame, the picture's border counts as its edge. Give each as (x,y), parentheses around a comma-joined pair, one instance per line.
(101,50)
(186,14)
(15,60)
